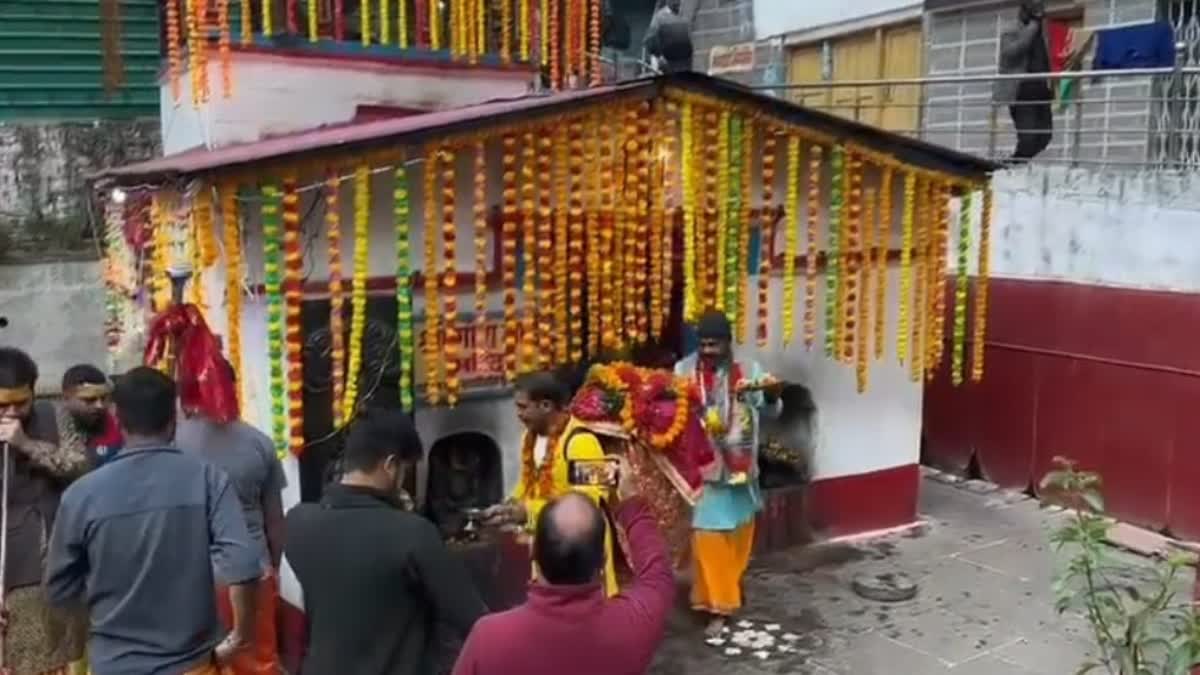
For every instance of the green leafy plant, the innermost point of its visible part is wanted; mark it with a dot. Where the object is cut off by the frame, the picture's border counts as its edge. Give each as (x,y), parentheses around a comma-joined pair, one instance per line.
(1139,629)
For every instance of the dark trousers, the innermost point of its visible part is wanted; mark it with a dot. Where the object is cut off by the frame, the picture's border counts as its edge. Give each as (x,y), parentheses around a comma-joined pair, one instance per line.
(1033,118)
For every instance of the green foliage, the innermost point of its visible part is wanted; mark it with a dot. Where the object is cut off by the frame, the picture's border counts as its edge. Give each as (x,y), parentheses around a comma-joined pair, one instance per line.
(1138,630)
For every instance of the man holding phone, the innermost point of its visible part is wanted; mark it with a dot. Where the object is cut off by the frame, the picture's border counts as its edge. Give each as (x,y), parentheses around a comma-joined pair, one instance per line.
(551,442)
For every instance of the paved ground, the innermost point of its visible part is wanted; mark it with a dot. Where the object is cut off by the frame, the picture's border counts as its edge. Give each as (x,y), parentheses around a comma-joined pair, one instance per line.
(984,605)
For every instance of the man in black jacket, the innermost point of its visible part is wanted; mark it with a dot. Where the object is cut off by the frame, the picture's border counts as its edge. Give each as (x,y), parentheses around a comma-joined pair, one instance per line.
(375,578)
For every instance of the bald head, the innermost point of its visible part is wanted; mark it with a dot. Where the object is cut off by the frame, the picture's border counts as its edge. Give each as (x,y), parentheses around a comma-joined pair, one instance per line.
(569,545)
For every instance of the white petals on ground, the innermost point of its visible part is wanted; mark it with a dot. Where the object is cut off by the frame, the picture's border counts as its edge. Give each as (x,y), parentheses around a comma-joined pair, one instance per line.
(752,639)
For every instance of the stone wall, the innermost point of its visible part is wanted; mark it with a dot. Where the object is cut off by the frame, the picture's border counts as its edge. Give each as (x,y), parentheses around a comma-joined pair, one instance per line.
(967,42)
(44,201)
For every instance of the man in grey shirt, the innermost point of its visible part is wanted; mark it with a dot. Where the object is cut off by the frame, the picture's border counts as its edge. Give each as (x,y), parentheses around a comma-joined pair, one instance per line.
(139,541)
(248,457)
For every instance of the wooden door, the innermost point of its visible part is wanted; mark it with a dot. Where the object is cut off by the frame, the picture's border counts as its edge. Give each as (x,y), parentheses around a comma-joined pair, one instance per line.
(805,68)
(857,57)
(902,50)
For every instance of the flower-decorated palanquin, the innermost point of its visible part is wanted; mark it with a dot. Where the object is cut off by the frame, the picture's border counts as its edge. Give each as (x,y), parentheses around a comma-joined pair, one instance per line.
(652,417)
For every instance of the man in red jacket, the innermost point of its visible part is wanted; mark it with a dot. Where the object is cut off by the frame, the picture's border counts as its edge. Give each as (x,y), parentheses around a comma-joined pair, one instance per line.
(567,625)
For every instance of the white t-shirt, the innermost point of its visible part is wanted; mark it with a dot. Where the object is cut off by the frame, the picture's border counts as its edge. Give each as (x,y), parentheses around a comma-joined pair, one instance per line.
(541,445)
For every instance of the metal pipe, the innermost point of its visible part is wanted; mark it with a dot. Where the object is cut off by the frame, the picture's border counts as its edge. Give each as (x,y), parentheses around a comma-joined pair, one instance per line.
(987,79)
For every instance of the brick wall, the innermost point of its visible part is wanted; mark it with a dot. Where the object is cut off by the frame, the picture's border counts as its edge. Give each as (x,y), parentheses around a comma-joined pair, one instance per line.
(730,22)
(967,42)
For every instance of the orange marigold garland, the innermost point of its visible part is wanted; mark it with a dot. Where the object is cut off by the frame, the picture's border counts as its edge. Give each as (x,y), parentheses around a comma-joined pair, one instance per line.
(592,226)
(766,242)
(852,255)
(941,250)
(434,367)
(656,199)
(746,154)
(524,25)
(234,274)
(906,267)
(479,212)
(882,246)
(561,177)
(529,256)
(687,192)
(641,221)
(337,299)
(539,480)
(594,38)
(196,67)
(721,301)
(811,252)
(358,288)
(575,242)
(246,21)
(920,285)
(508,253)
(712,232)
(862,336)
(545,250)
(224,49)
(670,168)
(554,24)
(619,249)
(293,259)
(174,48)
(979,320)
(450,277)
(609,215)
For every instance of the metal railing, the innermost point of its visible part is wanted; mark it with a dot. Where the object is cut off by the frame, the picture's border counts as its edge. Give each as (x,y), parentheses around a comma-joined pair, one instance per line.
(1147,117)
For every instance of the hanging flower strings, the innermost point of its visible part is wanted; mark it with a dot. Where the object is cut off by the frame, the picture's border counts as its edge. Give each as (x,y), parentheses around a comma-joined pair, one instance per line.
(508,253)
(832,250)
(234,272)
(852,256)
(766,241)
(690,311)
(562,191)
(174,48)
(358,288)
(790,246)
(746,153)
(404,301)
(721,301)
(958,355)
(545,250)
(224,48)
(906,267)
(979,321)
(815,161)
(479,213)
(434,367)
(450,278)
(293,259)
(882,246)
(273,286)
(642,223)
(529,255)
(734,222)
(337,328)
(575,243)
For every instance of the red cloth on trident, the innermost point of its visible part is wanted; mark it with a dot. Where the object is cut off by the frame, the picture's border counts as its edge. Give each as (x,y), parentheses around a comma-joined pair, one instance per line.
(204,379)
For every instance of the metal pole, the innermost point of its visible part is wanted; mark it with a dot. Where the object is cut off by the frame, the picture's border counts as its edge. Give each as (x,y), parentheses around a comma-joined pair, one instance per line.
(1176,95)
(1077,138)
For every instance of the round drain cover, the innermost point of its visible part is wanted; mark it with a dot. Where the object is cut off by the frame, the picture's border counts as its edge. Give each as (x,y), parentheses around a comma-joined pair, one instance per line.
(885,586)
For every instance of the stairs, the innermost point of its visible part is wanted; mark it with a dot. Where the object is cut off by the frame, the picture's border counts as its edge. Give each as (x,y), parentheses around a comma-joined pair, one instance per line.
(51,61)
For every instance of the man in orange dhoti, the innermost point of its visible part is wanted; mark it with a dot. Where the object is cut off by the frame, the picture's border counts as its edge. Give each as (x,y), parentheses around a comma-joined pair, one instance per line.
(733,394)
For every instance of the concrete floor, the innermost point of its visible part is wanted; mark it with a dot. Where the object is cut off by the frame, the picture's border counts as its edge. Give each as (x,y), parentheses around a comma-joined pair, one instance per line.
(984,605)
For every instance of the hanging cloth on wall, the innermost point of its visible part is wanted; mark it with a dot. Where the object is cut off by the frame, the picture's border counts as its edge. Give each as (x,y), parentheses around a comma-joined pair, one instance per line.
(1150,45)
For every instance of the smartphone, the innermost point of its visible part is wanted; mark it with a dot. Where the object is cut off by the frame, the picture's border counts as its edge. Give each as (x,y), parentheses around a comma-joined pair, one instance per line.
(593,472)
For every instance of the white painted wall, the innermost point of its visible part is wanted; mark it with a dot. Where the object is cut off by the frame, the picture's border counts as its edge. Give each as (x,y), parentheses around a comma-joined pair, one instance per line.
(276,95)
(1138,229)
(780,17)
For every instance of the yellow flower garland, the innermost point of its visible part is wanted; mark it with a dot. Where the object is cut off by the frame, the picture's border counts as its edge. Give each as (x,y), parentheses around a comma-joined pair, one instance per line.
(641,222)
(224,48)
(792,206)
(939,298)
(882,247)
(523,29)
(434,367)
(508,254)
(906,267)
(610,208)
(620,232)
(979,321)
(594,259)
(160,256)
(816,154)
(658,199)
(358,288)
(506,32)
(268,18)
(450,277)
(690,311)
(174,49)
(767,234)
(852,251)
(712,232)
(746,199)
(920,318)
(234,274)
(402,24)
(722,207)
(529,256)
(562,193)
(545,250)
(479,211)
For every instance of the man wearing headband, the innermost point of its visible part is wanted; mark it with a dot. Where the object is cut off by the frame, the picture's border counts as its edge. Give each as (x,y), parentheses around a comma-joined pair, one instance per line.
(45,454)
(733,394)
(87,396)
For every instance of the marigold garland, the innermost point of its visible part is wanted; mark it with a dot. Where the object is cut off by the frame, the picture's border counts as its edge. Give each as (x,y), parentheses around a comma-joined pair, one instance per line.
(882,245)
(479,211)
(747,205)
(713,234)
(942,248)
(690,311)
(273,286)
(721,211)
(979,320)
(539,480)
(545,250)
(195,285)
(529,255)
(364,22)
(641,241)
(358,288)
(119,277)
(196,65)
(508,253)
(293,259)
(792,207)
(562,191)
(205,249)
(862,334)
(906,267)
(435,24)
(174,48)
(610,208)
(450,277)
(160,255)
(224,48)
(575,243)
(766,244)
(594,36)
(268,18)
(921,286)
(833,256)
(853,256)
(385,21)
(434,365)
(958,355)
(402,38)
(554,23)
(620,250)
(592,227)
(735,222)
(624,393)
(246,21)
(656,215)
(815,160)
(523,28)
(404,301)
(337,300)
(544,32)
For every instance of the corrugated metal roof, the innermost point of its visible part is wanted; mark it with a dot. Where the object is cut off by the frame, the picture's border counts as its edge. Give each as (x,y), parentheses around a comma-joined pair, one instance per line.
(419,127)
